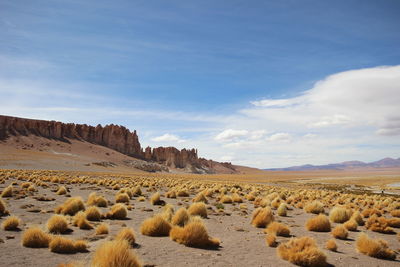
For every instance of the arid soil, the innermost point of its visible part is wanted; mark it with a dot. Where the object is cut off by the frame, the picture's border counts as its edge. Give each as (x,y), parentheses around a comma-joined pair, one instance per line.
(241,243)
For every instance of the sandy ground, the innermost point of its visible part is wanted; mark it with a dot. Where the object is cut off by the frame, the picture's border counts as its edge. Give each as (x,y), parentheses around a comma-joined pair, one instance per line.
(242,244)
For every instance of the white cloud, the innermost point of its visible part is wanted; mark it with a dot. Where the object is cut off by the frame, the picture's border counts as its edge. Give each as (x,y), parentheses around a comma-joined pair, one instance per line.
(336,119)
(168,138)
(280,137)
(231,134)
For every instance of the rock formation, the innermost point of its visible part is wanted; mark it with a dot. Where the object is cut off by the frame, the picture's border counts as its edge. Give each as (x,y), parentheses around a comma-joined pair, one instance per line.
(112,136)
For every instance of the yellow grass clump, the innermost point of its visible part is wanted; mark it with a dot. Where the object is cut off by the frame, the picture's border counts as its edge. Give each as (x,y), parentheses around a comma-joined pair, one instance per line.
(3,209)
(270,240)
(181,217)
(340,232)
(95,200)
(71,206)
(278,229)
(302,251)
(59,244)
(340,214)
(379,224)
(198,208)
(200,197)
(11,223)
(315,207)
(374,247)
(61,190)
(126,234)
(226,199)
(35,238)
(194,234)
(156,199)
(331,245)
(93,214)
(115,253)
(7,192)
(358,218)
(155,226)
(122,198)
(236,198)
(102,229)
(262,217)
(395,213)
(117,212)
(57,224)
(351,225)
(282,210)
(319,223)
(81,221)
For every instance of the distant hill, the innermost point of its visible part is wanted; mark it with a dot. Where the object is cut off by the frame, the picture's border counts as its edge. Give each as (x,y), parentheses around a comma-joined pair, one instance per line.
(346,165)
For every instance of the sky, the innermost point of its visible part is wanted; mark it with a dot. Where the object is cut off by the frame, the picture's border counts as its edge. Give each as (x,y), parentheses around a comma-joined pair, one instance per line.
(257,83)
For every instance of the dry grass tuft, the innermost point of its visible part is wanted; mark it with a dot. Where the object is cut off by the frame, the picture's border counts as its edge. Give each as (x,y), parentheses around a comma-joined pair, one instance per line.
(115,253)
(71,206)
(95,200)
(200,197)
(282,210)
(126,234)
(198,208)
(11,223)
(374,247)
(340,232)
(271,240)
(102,229)
(315,207)
(35,238)
(278,229)
(340,214)
(155,226)
(156,199)
(194,234)
(181,217)
(379,224)
(262,217)
(319,223)
(7,192)
(117,212)
(3,209)
(57,224)
(331,245)
(358,218)
(61,190)
(81,221)
(59,244)
(302,251)
(93,214)
(351,225)
(122,198)
(226,199)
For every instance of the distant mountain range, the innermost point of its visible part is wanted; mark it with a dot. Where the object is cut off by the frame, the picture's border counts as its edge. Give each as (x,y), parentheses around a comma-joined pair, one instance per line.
(383,163)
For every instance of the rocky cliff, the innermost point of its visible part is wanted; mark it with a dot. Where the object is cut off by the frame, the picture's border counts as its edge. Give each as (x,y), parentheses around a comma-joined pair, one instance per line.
(112,136)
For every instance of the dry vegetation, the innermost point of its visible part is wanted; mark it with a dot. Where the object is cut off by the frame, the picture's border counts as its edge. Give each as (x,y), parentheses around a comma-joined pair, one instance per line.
(300,225)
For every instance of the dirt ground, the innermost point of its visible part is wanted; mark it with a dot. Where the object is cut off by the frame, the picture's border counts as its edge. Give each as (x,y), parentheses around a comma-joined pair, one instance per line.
(241,243)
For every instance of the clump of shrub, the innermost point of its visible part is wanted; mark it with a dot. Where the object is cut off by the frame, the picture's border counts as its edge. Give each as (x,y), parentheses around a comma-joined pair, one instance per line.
(102,229)
(156,199)
(122,198)
(262,217)
(71,206)
(315,207)
(331,245)
(340,232)
(3,209)
(271,240)
(200,197)
(7,192)
(57,224)
(81,221)
(95,200)
(115,253)
(193,234)
(59,244)
(282,210)
(117,212)
(35,238)
(302,251)
(93,214)
(340,214)
(351,225)
(319,223)
(126,234)
(379,224)
(374,247)
(198,208)
(155,226)
(278,229)
(61,190)
(11,223)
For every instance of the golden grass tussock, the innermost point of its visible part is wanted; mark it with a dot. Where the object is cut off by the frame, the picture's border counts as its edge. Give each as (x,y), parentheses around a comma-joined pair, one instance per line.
(351,225)
(199,209)
(71,206)
(155,199)
(236,198)
(11,223)
(340,214)
(122,198)
(102,229)
(35,238)
(93,213)
(331,245)
(7,192)
(369,212)
(262,217)
(278,229)
(282,210)
(57,224)
(81,221)
(182,193)
(170,194)
(394,222)
(59,244)
(115,253)
(315,207)
(358,218)
(379,224)
(95,200)
(126,234)
(302,251)
(117,212)
(374,247)
(200,197)
(3,208)
(226,199)
(181,217)
(61,190)
(155,226)
(395,213)
(319,223)
(340,232)
(270,240)
(194,234)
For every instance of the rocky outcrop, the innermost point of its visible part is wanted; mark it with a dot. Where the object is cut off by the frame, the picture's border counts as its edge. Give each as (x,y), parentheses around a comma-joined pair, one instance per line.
(112,136)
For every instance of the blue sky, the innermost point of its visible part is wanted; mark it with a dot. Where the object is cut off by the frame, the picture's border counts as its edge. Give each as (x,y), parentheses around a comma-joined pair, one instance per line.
(203,74)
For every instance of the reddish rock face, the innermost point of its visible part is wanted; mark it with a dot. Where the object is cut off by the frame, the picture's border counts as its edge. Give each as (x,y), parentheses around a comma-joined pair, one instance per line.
(112,136)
